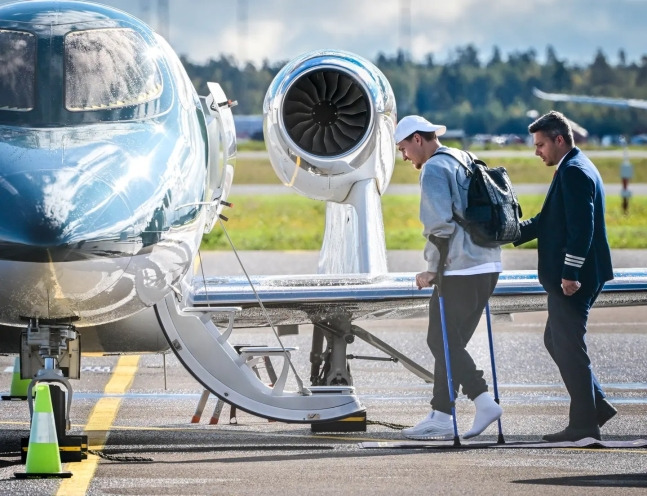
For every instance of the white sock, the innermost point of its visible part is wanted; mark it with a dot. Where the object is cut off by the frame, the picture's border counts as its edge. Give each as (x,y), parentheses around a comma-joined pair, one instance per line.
(487,411)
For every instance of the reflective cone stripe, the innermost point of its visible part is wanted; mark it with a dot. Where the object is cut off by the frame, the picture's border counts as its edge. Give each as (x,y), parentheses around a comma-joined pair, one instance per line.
(43,423)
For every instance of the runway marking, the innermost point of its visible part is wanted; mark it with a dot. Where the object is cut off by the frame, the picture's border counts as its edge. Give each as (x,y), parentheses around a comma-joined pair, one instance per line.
(12,422)
(97,368)
(99,424)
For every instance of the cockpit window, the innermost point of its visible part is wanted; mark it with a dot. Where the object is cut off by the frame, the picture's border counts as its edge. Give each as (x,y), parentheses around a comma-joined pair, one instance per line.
(108,69)
(17,70)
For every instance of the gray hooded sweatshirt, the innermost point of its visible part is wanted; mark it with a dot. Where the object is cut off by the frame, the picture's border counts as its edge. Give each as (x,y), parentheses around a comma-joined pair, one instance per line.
(443,191)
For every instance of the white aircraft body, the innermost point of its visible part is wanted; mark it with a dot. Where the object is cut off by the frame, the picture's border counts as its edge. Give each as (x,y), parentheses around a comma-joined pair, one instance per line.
(111,171)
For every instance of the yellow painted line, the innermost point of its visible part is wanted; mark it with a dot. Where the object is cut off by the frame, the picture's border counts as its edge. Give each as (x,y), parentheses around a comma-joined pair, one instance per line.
(12,422)
(99,424)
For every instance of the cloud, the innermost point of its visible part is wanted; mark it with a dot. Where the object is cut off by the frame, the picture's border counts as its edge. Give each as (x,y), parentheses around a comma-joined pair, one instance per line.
(278,30)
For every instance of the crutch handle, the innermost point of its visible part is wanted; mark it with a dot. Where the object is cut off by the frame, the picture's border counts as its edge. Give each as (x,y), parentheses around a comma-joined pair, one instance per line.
(442,244)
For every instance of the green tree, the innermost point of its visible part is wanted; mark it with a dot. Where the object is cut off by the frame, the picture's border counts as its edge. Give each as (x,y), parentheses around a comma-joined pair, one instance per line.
(479,98)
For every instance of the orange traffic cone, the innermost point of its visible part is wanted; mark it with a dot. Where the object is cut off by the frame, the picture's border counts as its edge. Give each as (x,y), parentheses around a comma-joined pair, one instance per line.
(43,457)
(18,386)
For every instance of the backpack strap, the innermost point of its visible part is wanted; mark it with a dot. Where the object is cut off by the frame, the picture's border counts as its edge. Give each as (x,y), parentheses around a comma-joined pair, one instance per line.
(471,155)
(468,172)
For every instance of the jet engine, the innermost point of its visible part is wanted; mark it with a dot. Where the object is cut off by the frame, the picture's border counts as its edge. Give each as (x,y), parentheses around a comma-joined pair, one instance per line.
(329,118)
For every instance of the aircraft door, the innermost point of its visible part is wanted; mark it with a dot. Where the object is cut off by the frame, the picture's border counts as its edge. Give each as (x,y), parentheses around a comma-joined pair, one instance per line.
(221,134)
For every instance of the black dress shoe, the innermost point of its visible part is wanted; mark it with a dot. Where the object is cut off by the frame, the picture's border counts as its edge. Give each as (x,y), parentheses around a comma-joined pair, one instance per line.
(572,434)
(606,411)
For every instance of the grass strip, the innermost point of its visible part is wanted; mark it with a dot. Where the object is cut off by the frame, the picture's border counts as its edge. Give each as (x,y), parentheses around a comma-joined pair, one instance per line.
(292,222)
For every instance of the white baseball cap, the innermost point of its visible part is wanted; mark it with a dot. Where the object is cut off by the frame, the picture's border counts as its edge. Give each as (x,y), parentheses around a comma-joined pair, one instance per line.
(412,123)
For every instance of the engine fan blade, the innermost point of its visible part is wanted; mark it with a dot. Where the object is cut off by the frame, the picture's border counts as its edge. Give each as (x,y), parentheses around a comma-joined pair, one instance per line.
(326,112)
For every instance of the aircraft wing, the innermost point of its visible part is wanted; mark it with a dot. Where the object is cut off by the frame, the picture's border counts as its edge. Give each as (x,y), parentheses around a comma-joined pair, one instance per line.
(307,299)
(596,100)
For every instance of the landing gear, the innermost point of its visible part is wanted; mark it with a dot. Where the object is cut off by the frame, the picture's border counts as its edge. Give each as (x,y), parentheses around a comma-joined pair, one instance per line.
(51,352)
(330,367)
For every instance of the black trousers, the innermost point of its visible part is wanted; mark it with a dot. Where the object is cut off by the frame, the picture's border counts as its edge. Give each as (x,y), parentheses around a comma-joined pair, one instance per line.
(564,338)
(464,298)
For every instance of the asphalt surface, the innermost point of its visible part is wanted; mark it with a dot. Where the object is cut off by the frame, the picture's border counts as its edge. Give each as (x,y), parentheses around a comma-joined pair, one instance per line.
(150,446)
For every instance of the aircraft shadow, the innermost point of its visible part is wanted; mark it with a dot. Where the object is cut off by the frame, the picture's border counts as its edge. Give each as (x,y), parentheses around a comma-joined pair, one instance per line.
(604,480)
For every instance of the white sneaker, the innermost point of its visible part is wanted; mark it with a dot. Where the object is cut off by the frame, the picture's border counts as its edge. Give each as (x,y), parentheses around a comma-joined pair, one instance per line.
(437,425)
(487,411)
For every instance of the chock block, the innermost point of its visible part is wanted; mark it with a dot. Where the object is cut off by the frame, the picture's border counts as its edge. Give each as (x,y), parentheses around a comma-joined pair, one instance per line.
(70,448)
(8,397)
(353,423)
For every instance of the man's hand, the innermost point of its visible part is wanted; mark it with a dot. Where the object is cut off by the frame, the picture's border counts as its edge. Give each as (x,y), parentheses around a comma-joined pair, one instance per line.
(570,287)
(424,279)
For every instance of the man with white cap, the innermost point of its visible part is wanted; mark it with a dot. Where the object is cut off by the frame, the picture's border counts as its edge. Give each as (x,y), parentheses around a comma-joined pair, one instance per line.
(470,273)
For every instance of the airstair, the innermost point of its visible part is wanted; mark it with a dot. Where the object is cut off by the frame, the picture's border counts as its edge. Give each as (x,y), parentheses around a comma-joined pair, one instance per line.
(205,350)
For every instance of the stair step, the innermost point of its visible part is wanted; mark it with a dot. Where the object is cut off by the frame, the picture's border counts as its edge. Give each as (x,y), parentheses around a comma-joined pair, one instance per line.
(332,389)
(265,350)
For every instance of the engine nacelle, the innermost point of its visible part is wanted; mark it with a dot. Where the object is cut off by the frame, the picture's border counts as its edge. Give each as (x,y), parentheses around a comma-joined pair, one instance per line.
(329,118)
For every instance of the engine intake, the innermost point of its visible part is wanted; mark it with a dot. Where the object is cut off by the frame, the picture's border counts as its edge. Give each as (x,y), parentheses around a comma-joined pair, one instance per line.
(326,112)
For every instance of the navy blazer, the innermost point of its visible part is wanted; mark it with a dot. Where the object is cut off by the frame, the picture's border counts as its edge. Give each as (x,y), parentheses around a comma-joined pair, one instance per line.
(570,229)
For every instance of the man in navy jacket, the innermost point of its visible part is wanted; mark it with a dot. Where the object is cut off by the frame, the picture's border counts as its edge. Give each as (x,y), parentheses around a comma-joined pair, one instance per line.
(574,264)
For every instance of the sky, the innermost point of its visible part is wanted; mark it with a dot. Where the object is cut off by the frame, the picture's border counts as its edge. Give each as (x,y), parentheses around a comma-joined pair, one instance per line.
(279,30)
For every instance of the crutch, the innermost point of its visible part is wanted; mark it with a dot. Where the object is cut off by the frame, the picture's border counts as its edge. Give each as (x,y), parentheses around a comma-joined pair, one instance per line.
(500,439)
(443,248)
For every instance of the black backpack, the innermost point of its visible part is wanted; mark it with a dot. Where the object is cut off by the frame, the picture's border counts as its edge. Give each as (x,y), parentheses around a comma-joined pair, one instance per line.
(493,212)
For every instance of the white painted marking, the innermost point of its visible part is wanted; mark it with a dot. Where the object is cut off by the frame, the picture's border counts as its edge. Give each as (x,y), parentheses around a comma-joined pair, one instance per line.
(99,369)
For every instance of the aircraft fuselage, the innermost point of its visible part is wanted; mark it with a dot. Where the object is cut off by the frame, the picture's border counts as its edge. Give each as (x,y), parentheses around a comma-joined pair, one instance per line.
(103,165)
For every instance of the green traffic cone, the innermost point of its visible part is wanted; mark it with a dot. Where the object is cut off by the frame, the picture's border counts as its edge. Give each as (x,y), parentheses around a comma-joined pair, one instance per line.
(18,386)
(43,456)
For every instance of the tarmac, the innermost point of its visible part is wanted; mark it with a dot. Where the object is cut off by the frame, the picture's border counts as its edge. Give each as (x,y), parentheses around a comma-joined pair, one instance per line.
(137,413)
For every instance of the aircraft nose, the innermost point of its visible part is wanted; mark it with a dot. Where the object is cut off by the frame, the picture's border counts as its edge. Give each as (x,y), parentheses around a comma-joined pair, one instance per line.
(52,215)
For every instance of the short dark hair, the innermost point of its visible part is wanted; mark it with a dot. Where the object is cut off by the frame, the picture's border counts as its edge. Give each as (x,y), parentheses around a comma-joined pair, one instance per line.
(553,124)
(426,135)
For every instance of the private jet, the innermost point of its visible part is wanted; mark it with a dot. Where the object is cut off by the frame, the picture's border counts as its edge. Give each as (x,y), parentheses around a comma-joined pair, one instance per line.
(112,169)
